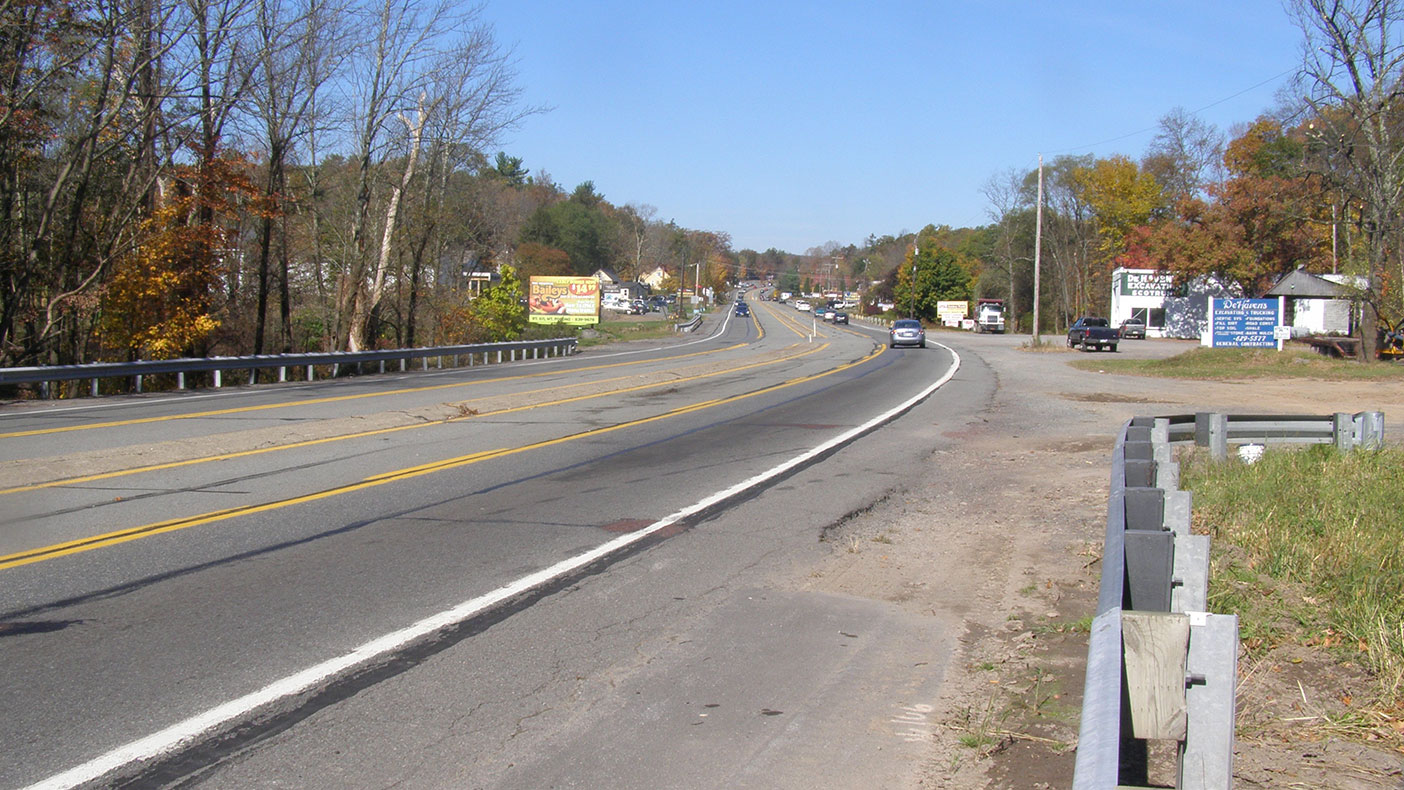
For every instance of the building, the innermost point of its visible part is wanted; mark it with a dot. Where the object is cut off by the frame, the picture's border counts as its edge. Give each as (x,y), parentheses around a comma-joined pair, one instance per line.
(1319,304)
(654,279)
(1168,311)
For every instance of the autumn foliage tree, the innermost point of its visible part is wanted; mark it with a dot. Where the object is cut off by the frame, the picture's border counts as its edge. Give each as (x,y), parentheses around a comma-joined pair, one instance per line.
(161,299)
(1262,222)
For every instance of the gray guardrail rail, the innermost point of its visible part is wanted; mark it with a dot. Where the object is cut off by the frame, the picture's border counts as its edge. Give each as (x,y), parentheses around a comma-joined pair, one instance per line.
(338,360)
(1159,665)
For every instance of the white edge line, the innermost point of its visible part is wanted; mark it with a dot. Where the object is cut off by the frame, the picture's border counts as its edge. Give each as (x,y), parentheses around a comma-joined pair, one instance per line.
(171,738)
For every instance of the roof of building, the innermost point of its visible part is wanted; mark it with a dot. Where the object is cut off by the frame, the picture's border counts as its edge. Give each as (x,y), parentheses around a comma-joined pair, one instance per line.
(1303,285)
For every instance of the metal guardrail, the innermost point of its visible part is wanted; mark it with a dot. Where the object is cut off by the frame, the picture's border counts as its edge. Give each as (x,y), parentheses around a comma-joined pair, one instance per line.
(689,326)
(338,360)
(1159,666)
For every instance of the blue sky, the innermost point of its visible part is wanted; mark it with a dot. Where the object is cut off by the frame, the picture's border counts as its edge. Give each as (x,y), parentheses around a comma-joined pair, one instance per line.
(791,124)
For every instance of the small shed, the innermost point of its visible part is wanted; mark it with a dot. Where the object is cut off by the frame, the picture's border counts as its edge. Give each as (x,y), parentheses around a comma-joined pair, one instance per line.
(1316,305)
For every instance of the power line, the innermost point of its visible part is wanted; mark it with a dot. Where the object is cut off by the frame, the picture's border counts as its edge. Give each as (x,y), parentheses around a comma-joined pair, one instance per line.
(1208,106)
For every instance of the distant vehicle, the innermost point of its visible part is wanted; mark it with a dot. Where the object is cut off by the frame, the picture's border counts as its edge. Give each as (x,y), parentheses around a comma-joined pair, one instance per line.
(906,332)
(989,316)
(743,310)
(1091,334)
(839,317)
(825,313)
(1133,328)
(803,307)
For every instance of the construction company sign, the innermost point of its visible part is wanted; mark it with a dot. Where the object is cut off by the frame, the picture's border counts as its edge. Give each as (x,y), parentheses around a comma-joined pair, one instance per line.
(563,300)
(1146,283)
(1246,323)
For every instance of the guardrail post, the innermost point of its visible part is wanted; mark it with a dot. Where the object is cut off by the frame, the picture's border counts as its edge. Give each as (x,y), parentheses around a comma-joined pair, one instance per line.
(1211,430)
(92,388)
(282,374)
(1342,431)
(138,383)
(499,356)
(218,378)
(309,372)
(180,380)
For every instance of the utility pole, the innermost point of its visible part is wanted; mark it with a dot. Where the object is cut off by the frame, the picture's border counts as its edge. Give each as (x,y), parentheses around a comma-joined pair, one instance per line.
(911,309)
(1038,247)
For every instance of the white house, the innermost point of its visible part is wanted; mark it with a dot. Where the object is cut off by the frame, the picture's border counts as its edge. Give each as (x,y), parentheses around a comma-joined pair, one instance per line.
(1319,304)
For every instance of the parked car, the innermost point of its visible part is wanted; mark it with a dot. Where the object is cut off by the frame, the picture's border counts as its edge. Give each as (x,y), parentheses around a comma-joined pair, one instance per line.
(1133,328)
(906,332)
(1091,334)
(840,317)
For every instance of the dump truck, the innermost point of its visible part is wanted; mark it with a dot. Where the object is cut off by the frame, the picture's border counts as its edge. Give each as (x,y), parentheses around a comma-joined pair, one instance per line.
(989,315)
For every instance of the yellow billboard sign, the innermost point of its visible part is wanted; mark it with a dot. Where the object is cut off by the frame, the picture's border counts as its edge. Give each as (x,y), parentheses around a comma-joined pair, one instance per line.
(563,300)
(954,309)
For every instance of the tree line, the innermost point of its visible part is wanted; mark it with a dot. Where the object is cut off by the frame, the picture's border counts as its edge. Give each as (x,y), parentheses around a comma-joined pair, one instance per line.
(192,177)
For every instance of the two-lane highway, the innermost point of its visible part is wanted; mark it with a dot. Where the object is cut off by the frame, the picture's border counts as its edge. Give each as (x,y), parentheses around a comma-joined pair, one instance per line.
(184,577)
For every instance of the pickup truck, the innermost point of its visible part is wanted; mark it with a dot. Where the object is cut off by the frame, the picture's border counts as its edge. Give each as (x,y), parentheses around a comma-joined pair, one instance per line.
(1091,334)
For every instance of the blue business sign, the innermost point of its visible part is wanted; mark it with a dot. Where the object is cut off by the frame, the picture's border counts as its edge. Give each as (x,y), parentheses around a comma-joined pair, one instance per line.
(1245,323)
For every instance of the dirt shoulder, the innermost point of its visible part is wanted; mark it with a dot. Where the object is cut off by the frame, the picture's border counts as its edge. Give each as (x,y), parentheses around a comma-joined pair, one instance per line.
(1021,511)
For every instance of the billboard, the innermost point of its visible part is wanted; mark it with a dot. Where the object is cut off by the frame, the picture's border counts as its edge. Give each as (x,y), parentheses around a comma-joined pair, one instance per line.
(960,309)
(563,300)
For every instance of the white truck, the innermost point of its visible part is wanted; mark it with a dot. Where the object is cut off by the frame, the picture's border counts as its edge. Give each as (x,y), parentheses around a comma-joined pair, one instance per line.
(989,316)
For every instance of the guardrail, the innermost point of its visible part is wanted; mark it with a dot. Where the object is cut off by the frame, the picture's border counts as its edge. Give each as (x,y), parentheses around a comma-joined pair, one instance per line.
(689,326)
(1159,666)
(46,376)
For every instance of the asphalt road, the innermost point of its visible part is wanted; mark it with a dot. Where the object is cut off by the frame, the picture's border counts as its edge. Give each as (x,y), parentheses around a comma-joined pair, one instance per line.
(569,573)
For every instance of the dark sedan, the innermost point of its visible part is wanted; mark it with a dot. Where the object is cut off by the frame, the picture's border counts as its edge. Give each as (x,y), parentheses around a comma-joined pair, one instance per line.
(906,332)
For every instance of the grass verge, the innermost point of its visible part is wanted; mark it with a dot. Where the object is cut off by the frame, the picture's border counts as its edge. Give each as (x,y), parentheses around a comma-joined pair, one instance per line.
(1242,363)
(617,331)
(1307,547)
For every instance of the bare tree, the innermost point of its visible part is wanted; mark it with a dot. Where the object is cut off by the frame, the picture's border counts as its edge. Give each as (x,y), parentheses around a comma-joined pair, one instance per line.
(1070,236)
(390,73)
(1185,156)
(637,217)
(1350,82)
(297,48)
(99,164)
(1009,204)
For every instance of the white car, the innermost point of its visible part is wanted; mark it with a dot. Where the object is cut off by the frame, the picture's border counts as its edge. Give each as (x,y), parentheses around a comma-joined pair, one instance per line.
(803,307)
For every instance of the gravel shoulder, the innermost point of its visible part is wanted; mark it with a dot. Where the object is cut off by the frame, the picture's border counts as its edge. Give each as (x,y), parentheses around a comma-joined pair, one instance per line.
(1016,517)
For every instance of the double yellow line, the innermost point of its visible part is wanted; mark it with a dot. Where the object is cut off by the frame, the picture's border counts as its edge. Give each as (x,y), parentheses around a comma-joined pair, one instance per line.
(161,527)
(338,398)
